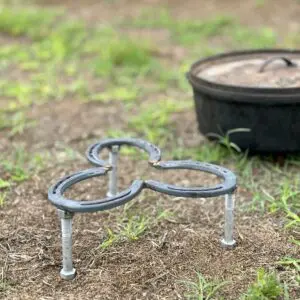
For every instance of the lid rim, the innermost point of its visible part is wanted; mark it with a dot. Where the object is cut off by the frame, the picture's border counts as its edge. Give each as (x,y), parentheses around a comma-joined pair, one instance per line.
(247,89)
(241,96)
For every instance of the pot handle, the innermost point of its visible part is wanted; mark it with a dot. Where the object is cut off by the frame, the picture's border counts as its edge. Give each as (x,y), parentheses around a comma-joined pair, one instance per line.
(288,62)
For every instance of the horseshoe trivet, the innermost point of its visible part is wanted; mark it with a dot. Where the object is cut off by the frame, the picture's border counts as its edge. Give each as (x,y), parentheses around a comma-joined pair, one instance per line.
(67,207)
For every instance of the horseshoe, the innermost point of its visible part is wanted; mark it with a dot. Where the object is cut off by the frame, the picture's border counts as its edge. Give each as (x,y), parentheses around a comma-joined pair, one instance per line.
(94,150)
(227,186)
(67,207)
(55,193)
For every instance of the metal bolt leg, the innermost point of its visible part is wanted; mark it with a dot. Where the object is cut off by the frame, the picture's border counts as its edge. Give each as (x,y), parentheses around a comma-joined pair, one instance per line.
(228,241)
(113,174)
(67,272)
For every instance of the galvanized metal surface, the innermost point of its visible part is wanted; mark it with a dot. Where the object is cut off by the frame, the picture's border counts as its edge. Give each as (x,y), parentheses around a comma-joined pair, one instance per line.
(113,177)
(228,240)
(67,272)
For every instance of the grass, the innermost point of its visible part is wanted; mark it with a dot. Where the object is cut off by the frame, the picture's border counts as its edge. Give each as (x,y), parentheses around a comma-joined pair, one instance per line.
(186,32)
(126,52)
(191,32)
(15,168)
(62,153)
(202,289)
(13,54)
(225,139)
(39,60)
(266,287)
(285,201)
(41,88)
(3,185)
(22,92)
(253,38)
(20,166)
(2,195)
(114,56)
(208,152)
(58,46)
(123,54)
(121,94)
(56,57)
(259,3)
(5,284)
(16,122)
(221,151)
(154,121)
(31,22)
(284,197)
(61,44)
(196,32)
(293,264)
(131,227)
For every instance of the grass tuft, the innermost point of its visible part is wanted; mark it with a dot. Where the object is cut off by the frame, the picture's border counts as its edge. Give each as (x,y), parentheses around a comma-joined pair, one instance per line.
(192,32)
(20,166)
(2,195)
(133,56)
(154,121)
(24,21)
(131,227)
(253,38)
(208,152)
(293,264)
(186,32)
(65,41)
(266,287)
(202,289)
(124,94)
(285,201)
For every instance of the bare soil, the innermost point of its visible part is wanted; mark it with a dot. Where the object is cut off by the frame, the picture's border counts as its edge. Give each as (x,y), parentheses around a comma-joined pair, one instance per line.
(250,13)
(149,268)
(171,250)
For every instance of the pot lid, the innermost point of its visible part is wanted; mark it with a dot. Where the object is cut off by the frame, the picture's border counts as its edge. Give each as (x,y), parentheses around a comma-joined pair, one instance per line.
(258,69)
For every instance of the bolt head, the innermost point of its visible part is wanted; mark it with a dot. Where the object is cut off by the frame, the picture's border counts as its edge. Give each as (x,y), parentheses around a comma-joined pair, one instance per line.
(228,244)
(68,275)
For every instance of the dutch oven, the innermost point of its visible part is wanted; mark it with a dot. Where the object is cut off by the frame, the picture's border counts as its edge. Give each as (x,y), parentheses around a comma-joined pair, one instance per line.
(258,90)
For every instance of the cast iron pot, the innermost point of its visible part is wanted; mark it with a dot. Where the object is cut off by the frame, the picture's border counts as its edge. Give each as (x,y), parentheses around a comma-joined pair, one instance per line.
(258,90)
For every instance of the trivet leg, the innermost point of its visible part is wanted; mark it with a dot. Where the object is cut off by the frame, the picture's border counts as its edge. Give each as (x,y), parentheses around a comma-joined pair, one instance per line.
(67,272)
(228,240)
(113,174)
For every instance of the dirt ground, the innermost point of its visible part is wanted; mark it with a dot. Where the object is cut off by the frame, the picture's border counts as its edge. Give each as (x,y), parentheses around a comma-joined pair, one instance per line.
(248,12)
(154,266)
